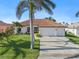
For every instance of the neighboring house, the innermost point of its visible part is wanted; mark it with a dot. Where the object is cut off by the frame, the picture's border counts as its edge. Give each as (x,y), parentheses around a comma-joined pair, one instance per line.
(44,27)
(73,28)
(4,26)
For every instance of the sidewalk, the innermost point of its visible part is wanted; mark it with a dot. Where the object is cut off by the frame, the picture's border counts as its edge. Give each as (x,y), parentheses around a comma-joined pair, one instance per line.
(58,48)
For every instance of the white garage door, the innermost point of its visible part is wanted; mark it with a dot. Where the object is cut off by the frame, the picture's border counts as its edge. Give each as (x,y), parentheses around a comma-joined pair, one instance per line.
(51,31)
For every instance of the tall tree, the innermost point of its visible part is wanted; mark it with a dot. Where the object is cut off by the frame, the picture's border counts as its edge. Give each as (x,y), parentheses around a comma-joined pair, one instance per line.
(33,6)
(50,18)
(18,25)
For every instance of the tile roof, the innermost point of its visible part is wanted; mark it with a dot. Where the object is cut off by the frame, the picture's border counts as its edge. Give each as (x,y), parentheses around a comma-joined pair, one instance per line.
(43,23)
(4,26)
(3,23)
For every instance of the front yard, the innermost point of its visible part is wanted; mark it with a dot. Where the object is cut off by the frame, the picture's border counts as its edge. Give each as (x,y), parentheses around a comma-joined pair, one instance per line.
(72,38)
(18,47)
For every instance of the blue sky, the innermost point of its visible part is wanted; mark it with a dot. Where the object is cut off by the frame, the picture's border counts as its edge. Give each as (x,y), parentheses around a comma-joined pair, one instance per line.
(65,11)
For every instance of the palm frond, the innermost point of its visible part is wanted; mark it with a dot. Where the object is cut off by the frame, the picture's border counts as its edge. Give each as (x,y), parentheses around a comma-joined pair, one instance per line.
(50,3)
(21,8)
(77,14)
(47,8)
(24,5)
(37,4)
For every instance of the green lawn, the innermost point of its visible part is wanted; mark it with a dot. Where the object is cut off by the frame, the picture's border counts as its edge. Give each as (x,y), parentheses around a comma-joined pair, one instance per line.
(18,47)
(73,38)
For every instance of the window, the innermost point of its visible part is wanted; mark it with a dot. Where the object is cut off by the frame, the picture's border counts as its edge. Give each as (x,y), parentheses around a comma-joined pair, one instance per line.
(36,30)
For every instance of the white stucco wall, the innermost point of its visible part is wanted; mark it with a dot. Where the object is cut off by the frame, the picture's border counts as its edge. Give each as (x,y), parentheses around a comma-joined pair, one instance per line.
(24,29)
(51,31)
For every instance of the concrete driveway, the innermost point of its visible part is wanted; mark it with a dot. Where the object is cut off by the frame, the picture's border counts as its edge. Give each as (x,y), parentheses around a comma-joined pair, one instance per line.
(58,48)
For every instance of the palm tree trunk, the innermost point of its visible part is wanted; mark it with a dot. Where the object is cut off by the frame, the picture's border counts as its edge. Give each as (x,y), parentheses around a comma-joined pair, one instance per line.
(31,27)
(31,34)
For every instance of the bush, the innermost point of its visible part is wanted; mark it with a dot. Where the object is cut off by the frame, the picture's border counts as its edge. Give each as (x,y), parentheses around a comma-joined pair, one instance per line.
(6,34)
(69,34)
(38,35)
(2,35)
(9,31)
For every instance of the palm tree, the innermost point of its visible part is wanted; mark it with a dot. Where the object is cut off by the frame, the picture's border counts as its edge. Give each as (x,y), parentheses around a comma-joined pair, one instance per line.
(77,14)
(33,6)
(17,24)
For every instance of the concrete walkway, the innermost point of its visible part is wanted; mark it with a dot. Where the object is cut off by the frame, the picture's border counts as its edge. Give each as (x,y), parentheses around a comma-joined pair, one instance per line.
(58,48)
